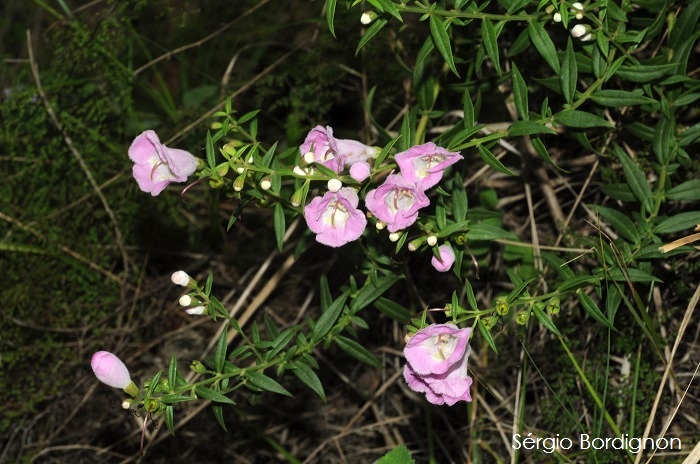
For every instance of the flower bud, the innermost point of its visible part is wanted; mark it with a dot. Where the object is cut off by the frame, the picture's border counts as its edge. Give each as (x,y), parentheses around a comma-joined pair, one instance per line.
(309,157)
(196,311)
(265,183)
(298,197)
(578,10)
(432,240)
(557,17)
(239,183)
(367,17)
(522,317)
(198,367)
(185,300)
(334,185)
(394,236)
(126,404)
(240,169)
(180,278)
(502,306)
(553,306)
(380,225)
(109,369)
(414,244)
(489,321)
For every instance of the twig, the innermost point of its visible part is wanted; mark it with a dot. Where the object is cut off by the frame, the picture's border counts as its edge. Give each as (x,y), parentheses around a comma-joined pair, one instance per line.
(170,54)
(71,146)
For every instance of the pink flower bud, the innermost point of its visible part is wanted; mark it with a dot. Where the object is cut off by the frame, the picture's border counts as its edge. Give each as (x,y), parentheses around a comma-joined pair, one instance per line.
(110,369)
(180,278)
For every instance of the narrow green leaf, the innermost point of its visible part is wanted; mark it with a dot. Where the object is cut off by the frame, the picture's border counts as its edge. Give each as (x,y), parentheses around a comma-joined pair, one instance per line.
(544,45)
(220,355)
(592,309)
(543,152)
(520,93)
(279,224)
(488,232)
(580,119)
(633,274)
(169,416)
(642,73)
(459,199)
(172,371)
(356,350)
(171,399)
(219,415)
(575,282)
(545,320)
(266,383)
(488,35)
(679,222)
(619,98)
(619,222)
(519,128)
(328,318)
(471,298)
(392,309)
(689,191)
(438,30)
(494,162)
(211,156)
(569,73)
(330,15)
(636,179)
(212,395)
(310,379)
(389,7)
(371,31)
(487,335)
(371,292)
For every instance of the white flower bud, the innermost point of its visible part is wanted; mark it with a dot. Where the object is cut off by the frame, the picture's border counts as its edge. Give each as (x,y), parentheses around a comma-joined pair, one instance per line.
(180,278)
(309,157)
(185,300)
(196,311)
(380,225)
(394,236)
(412,246)
(366,18)
(334,185)
(557,17)
(265,183)
(587,37)
(240,169)
(579,30)
(432,240)
(126,404)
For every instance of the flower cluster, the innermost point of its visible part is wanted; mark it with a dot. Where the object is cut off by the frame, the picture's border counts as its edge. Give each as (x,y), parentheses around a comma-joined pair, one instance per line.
(335,217)
(579,31)
(436,363)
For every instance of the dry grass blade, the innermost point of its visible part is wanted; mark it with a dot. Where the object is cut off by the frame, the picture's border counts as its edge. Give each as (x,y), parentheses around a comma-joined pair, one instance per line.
(681,331)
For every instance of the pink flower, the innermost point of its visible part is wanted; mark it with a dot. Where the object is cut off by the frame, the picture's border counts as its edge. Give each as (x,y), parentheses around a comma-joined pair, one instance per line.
(157,165)
(436,363)
(110,369)
(334,217)
(396,202)
(447,258)
(424,164)
(335,153)
(322,144)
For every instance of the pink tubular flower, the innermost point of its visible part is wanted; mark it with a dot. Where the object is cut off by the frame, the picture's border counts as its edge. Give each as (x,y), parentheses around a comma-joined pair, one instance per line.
(157,165)
(447,258)
(110,369)
(436,363)
(335,153)
(334,217)
(322,144)
(396,202)
(424,164)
